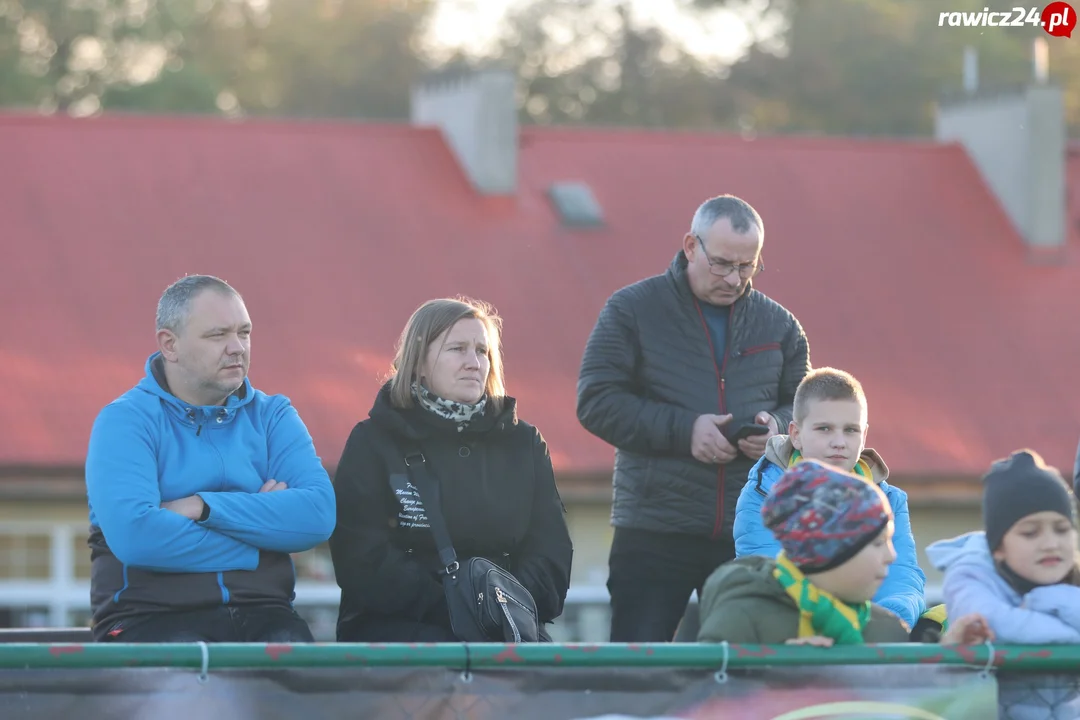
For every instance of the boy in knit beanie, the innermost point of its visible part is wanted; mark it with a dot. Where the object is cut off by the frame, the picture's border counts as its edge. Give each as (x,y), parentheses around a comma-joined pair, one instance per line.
(835,531)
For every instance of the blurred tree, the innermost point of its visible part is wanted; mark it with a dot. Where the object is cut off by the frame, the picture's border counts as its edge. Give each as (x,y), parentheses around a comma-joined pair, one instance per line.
(589,62)
(878,66)
(331,58)
(65,54)
(841,66)
(850,67)
(324,58)
(763,18)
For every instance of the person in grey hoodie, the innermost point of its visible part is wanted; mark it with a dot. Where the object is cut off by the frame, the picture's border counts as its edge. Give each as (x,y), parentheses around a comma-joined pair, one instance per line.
(1021,575)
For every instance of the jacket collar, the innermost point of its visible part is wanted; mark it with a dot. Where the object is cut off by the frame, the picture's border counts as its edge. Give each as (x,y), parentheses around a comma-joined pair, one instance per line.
(779,449)
(416,422)
(154,382)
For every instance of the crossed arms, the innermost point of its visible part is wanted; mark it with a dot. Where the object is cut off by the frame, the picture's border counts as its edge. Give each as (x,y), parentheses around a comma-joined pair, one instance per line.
(122,486)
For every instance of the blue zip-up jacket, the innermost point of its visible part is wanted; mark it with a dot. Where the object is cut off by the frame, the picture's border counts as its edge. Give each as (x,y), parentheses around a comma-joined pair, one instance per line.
(904,589)
(148,447)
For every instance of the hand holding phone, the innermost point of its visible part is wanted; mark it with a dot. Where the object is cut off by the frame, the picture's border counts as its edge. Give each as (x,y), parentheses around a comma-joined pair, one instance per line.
(745,431)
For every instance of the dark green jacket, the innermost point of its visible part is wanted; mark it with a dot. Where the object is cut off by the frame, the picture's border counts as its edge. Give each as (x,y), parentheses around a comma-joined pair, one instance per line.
(743,603)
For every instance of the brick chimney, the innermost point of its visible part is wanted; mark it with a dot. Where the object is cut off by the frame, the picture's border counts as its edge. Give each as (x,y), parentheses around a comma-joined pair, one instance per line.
(1017,140)
(477,113)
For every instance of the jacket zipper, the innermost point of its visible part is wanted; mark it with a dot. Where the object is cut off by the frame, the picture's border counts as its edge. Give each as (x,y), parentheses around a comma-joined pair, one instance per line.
(721,492)
(198,426)
(721,480)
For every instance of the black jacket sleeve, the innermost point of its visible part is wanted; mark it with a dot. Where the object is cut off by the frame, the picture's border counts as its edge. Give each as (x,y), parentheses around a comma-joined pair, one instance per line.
(796,366)
(545,556)
(379,577)
(607,404)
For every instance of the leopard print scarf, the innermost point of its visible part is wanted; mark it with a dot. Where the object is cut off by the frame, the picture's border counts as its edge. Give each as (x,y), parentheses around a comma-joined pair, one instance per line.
(458,412)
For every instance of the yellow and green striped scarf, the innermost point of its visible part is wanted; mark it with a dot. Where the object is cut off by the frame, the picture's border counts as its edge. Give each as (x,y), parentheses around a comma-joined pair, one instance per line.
(862,468)
(820,612)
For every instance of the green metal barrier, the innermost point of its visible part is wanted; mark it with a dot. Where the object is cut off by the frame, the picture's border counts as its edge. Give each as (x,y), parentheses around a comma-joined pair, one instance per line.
(1029,658)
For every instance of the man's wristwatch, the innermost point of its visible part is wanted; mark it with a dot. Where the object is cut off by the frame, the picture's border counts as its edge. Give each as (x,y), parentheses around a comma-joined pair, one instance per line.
(205,513)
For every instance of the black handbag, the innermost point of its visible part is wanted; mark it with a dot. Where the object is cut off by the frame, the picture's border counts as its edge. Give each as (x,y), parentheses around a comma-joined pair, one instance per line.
(486,603)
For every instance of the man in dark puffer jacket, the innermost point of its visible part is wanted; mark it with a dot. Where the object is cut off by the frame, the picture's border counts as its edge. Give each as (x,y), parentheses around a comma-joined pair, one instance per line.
(676,364)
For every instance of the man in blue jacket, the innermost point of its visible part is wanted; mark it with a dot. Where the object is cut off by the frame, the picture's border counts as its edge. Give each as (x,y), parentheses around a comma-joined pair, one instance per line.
(200,487)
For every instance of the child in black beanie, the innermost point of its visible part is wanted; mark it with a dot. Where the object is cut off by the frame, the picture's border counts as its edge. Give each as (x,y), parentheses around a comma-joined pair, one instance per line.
(1021,573)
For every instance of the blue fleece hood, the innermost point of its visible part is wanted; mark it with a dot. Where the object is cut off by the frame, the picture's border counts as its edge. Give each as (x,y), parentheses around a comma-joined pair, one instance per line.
(154,382)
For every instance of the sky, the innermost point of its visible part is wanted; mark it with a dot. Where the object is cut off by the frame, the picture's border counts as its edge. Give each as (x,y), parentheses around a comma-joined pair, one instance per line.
(715,35)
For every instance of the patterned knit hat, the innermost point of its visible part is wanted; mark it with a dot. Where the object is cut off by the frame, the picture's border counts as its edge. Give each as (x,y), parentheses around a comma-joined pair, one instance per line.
(823,516)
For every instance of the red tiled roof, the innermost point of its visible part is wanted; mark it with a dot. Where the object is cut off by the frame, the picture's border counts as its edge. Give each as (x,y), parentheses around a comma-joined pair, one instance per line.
(894,255)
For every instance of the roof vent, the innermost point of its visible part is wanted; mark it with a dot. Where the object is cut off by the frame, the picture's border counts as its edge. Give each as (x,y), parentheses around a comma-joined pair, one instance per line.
(576,204)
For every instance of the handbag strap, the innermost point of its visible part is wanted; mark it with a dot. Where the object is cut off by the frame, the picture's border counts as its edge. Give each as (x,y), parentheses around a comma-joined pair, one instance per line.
(427,487)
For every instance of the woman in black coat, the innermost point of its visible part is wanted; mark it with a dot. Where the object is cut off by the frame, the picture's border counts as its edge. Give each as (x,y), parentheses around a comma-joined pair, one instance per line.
(498,495)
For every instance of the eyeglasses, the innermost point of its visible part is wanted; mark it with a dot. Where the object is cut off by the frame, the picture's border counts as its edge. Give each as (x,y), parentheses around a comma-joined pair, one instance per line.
(722,268)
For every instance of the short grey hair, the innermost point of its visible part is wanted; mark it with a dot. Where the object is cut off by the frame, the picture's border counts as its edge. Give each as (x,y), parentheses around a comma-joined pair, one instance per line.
(175,303)
(739,212)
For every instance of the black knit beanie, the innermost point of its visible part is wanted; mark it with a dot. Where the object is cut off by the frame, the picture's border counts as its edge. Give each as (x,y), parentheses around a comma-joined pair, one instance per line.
(1018,486)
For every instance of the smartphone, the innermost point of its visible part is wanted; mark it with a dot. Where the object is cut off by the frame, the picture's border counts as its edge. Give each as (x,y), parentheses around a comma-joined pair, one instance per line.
(747,430)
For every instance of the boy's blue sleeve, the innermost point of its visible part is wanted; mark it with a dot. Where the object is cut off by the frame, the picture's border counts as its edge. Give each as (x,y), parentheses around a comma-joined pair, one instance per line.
(291,520)
(125,502)
(751,535)
(904,589)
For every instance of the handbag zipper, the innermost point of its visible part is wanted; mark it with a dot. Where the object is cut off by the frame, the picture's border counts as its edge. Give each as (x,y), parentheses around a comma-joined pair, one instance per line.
(506,611)
(511,598)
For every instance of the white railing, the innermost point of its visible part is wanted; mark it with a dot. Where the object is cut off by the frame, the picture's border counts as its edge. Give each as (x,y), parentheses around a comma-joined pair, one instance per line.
(62,597)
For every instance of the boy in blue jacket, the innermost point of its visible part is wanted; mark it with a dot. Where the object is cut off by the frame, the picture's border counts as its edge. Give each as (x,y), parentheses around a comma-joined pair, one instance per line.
(830,424)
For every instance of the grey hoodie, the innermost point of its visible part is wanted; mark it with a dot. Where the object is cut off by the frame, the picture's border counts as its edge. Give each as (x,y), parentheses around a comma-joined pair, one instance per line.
(1048,614)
